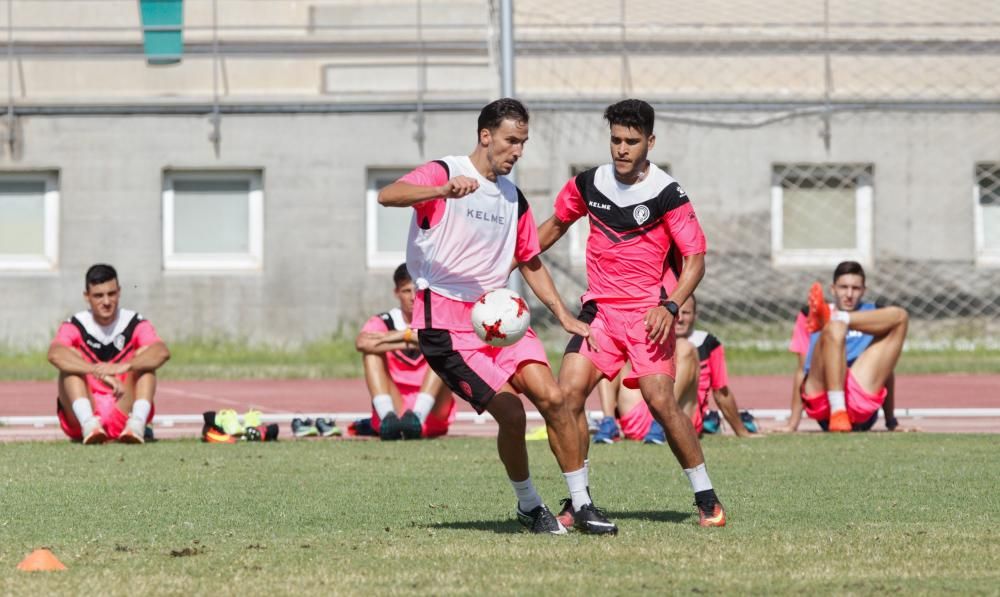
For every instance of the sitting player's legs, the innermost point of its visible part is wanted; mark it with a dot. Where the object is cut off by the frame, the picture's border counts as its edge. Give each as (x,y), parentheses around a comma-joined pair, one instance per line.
(868,375)
(442,412)
(386,397)
(71,389)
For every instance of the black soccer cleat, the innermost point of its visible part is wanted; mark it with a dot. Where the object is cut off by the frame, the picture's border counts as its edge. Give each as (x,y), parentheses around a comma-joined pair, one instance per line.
(540,520)
(410,426)
(591,519)
(391,428)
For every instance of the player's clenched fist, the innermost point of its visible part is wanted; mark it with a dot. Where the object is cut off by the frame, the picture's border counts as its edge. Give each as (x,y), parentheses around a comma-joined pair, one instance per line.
(460,186)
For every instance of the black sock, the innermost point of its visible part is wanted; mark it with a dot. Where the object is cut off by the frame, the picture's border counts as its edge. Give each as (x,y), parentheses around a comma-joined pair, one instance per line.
(706,497)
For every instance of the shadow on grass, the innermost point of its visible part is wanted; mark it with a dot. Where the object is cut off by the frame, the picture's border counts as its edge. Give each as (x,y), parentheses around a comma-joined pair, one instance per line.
(651,515)
(490,526)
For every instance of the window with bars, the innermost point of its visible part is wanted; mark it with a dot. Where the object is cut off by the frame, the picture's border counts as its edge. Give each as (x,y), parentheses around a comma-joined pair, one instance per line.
(386,228)
(821,214)
(213,220)
(29,221)
(987,213)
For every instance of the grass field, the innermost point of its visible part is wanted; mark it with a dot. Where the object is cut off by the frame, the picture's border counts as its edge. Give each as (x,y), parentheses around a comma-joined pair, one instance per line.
(337,358)
(860,514)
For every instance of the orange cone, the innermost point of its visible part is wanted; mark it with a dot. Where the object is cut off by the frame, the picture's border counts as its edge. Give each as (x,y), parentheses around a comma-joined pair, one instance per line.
(41,560)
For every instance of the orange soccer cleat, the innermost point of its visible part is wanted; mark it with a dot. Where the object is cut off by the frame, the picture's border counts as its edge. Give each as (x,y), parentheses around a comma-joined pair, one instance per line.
(711,514)
(819,310)
(839,422)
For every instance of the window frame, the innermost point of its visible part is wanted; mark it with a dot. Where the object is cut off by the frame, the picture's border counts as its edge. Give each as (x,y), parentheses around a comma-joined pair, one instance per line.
(48,259)
(985,257)
(375,259)
(864,195)
(252,260)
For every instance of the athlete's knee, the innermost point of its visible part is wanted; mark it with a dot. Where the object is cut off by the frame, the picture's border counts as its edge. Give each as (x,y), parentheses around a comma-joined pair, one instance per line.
(835,331)
(551,400)
(508,411)
(685,351)
(899,315)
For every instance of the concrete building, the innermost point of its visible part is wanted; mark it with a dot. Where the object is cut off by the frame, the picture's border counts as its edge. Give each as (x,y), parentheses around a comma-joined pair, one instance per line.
(234,190)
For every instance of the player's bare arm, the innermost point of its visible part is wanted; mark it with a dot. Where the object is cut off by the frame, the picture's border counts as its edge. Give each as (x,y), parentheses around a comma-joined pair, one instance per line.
(149,358)
(550,231)
(796,404)
(404,194)
(69,362)
(383,342)
(658,319)
(537,276)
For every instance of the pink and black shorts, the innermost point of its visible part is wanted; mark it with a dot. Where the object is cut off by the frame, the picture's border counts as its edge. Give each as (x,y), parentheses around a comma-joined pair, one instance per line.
(476,371)
(861,404)
(106,409)
(621,336)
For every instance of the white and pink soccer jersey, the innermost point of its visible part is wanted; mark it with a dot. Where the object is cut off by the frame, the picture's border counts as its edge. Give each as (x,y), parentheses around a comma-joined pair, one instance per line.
(406,367)
(638,234)
(115,343)
(712,374)
(460,248)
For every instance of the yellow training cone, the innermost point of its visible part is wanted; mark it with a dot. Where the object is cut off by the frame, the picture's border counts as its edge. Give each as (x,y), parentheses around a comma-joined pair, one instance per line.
(40,560)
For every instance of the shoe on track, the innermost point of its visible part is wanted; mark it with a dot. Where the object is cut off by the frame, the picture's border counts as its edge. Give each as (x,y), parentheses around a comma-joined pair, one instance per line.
(540,433)
(229,421)
(839,422)
(132,432)
(749,421)
(252,418)
(410,426)
(710,510)
(565,516)
(390,429)
(607,431)
(213,436)
(819,310)
(540,520)
(655,435)
(93,432)
(327,427)
(590,519)
(712,422)
(304,428)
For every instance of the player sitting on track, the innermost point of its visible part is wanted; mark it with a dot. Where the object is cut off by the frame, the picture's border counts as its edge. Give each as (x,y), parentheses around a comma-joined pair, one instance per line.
(637,422)
(107,360)
(397,375)
(471,226)
(640,220)
(847,354)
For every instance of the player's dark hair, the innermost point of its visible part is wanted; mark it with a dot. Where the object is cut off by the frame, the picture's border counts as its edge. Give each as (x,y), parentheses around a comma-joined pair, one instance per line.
(631,113)
(496,112)
(848,267)
(401,275)
(99,274)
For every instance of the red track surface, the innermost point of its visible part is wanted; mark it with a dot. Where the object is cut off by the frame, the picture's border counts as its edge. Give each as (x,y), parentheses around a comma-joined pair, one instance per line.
(350,395)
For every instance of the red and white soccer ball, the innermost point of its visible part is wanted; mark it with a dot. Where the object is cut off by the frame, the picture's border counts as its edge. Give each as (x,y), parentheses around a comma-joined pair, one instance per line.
(500,317)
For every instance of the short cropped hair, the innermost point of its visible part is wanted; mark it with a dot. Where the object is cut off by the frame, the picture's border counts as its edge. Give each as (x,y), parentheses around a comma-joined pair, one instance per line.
(848,267)
(401,275)
(496,112)
(99,274)
(631,113)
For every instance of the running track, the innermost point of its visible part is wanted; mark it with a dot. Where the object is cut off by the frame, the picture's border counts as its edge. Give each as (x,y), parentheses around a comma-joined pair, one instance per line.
(347,398)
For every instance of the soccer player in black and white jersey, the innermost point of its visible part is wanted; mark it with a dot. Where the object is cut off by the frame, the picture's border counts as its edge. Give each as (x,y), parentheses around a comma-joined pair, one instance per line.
(471,227)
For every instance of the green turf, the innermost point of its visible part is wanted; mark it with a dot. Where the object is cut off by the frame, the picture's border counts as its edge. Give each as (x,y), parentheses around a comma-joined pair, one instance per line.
(337,358)
(861,514)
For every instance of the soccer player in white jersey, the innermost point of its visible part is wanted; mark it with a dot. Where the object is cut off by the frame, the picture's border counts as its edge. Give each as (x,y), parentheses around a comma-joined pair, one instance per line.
(471,227)
(643,234)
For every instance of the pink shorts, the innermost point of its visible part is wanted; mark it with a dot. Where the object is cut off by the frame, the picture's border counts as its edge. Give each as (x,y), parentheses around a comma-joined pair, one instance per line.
(433,426)
(861,405)
(635,423)
(106,409)
(476,371)
(621,335)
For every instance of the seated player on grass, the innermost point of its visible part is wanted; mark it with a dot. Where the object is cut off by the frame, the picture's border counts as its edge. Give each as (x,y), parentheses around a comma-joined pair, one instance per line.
(409,400)
(847,351)
(107,359)
(637,422)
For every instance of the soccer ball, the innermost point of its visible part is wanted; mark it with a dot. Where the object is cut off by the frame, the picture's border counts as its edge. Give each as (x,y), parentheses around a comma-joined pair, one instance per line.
(500,317)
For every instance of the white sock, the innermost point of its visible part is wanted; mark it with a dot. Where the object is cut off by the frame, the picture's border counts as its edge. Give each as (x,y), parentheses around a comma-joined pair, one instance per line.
(836,398)
(140,410)
(382,404)
(83,410)
(698,477)
(422,407)
(527,497)
(844,316)
(577,482)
